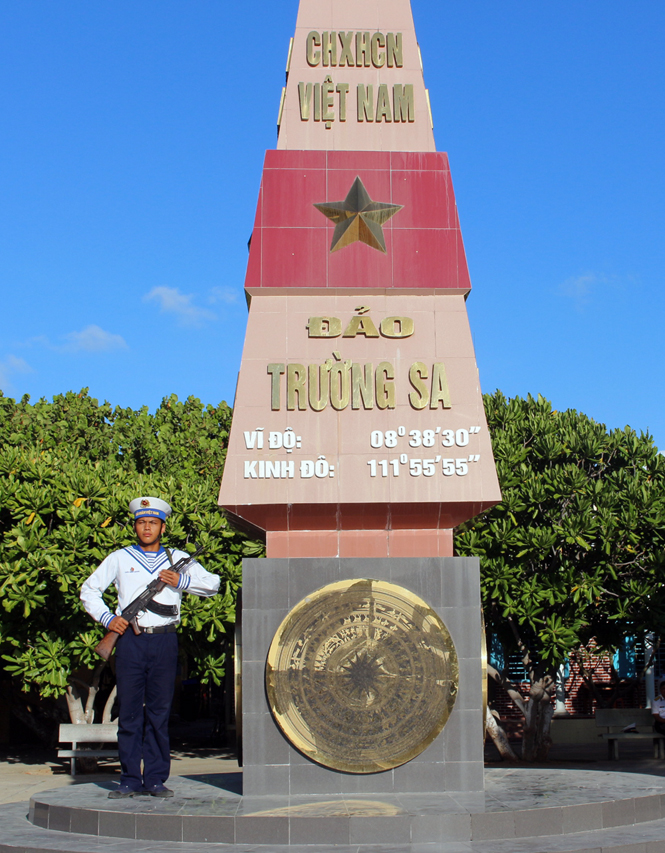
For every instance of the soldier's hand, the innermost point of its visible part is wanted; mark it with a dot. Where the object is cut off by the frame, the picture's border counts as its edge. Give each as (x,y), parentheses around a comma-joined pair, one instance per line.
(169,577)
(118,624)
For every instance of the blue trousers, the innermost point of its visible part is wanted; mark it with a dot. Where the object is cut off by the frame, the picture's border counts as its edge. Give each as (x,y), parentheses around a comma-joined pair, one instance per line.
(145,675)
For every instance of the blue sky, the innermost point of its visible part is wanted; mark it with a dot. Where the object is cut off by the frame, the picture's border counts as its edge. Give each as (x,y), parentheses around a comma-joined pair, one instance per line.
(131,144)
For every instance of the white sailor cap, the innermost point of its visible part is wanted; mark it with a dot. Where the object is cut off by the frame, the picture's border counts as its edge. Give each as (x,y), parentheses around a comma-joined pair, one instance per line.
(151,507)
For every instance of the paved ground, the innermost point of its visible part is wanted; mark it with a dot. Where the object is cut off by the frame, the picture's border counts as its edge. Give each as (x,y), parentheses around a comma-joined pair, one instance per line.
(22,775)
(24,772)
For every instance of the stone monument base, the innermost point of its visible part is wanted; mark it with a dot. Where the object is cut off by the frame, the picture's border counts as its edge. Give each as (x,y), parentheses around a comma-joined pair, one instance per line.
(452,762)
(530,810)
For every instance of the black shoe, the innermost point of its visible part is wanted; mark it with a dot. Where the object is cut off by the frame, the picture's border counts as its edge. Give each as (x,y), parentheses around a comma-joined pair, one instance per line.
(159,791)
(122,792)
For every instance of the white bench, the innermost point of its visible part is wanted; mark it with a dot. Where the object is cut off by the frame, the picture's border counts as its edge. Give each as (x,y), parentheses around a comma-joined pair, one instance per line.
(87,733)
(616,719)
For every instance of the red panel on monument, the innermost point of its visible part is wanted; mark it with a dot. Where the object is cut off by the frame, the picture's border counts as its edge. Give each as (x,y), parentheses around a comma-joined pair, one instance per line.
(292,239)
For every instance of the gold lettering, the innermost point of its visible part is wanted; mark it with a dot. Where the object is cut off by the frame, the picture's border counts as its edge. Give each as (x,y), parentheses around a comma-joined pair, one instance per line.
(417,373)
(346,55)
(394,50)
(318,389)
(305,94)
(378,59)
(324,327)
(440,392)
(396,327)
(342,90)
(327,99)
(317,102)
(329,48)
(275,371)
(385,390)
(362,49)
(365,102)
(361,326)
(313,56)
(403,108)
(383,104)
(295,386)
(340,386)
(362,387)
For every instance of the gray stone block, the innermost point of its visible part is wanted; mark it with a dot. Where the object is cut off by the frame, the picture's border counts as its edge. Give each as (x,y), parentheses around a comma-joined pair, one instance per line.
(368,783)
(470,691)
(254,688)
(117,824)
(464,776)
(263,780)
(259,627)
(529,822)
(40,814)
(262,829)
(464,626)
(461,582)
(380,830)
(85,821)
(307,575)
(456,827)
(647,808)
(425,577)
(421,776)
(492,825)
(268,584)
(581,818)
(462,735)
(264,741)
(427,828)
(159,827)
(619,813)
(208,830)
(314,830)
(59,818)
(311,779)
(435,752)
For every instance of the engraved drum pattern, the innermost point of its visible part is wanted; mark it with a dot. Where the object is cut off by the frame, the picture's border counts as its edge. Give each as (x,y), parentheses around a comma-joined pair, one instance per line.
(362,675)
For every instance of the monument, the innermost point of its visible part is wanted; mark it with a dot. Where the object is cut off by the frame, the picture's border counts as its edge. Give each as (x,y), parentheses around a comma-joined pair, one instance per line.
(358,443)
(359,438)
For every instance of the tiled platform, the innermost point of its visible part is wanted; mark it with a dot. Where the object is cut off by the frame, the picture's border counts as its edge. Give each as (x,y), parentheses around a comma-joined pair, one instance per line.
(525,810)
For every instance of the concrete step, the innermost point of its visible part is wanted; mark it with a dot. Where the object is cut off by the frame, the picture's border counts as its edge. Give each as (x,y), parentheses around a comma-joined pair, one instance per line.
(20,836)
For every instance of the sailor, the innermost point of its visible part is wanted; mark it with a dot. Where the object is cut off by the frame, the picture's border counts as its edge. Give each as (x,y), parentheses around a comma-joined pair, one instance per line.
(145,663)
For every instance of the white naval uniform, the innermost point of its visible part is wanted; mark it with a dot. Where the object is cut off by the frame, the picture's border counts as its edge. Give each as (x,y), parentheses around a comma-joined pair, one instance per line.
(131,569)
(658,707)
(145,664)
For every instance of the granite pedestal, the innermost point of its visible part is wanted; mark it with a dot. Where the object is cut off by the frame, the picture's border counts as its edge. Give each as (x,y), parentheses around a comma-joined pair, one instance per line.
(523,810)
(452,763)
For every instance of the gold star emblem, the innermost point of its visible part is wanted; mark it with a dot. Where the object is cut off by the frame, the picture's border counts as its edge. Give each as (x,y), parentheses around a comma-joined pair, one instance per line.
(358,218)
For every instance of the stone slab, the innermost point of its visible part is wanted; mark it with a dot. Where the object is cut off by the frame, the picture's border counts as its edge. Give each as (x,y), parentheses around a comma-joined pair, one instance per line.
(519,804)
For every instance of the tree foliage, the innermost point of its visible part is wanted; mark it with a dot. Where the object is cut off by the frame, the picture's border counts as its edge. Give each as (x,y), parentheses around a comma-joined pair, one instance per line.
(575,551)
(68,470)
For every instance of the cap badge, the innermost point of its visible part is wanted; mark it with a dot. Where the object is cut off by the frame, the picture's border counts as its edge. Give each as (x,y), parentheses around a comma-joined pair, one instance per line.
(145,502)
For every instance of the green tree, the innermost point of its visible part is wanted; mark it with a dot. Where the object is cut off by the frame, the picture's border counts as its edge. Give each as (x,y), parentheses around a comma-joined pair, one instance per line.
(67,472)
(574,554)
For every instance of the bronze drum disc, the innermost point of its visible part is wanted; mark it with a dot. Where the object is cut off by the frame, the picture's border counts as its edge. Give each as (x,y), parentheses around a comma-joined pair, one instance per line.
(361,676)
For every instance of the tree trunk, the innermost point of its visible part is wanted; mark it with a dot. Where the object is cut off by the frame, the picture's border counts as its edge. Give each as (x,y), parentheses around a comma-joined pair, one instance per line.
(78,713)
(108,707)
(499,737)
(75,705)
(536,740)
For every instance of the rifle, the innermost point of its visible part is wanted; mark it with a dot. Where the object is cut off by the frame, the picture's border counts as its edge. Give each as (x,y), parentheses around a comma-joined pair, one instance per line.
(105,647)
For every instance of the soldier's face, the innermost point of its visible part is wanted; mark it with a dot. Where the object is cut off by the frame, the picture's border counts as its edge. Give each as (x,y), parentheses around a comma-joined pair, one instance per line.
(148,530)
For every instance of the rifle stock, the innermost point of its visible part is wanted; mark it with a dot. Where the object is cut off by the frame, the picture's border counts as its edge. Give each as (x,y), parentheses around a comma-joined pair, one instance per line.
(105,647)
